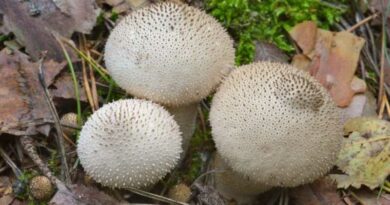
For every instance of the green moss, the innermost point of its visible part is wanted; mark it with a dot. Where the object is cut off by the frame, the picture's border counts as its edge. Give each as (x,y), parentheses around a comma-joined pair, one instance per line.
(269,20)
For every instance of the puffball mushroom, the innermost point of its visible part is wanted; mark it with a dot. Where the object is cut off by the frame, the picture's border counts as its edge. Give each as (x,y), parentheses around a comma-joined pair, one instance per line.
(169,53)
(232,185)
(275,124)
(129,143)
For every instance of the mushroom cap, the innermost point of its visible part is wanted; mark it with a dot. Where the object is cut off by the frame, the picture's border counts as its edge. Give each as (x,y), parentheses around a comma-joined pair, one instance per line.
(232,185)
(180,192)
(173,54)
(41,187)
(275,124)
(69,119)
(185,116)
(129,143)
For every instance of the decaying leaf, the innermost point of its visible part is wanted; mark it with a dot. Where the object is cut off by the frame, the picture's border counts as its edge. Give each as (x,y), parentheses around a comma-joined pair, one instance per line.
(365,155)
(322,191)
(269,52)
(80,194)
(21,97)
(333,59)
(63,87)
(59,16)
(121,6)
(370,126)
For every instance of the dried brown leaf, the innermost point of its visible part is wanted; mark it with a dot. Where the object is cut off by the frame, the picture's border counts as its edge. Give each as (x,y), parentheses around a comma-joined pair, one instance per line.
(322,191)
(334,60)
(305,35)
(33,22)
(80,194)
(269,52)
(64,88)
(21,95)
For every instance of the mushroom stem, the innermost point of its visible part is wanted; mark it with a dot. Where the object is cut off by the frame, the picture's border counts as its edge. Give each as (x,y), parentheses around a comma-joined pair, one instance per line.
(185,116)
(233,186)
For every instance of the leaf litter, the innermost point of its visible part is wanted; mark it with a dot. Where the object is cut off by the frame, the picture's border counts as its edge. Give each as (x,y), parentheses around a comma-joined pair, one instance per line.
(365,155)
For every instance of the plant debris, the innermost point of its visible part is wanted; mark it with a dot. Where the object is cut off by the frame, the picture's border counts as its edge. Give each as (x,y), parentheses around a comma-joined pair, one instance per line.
(62,17)
(365,156)
(332,58)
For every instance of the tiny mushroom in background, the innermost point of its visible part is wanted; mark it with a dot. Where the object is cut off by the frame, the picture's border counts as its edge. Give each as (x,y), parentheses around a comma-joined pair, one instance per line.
(185,116)
(69,122)
(41,187)
(172,54)
(234,186)
(275,124)
(129,144)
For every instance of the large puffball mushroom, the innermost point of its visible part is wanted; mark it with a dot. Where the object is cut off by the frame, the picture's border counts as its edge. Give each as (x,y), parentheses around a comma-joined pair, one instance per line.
(185,116)
(169,53)
(234,186)
(275,124)
(129,143)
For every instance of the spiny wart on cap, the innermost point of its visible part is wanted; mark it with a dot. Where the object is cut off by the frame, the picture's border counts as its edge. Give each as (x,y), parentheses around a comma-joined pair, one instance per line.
(129,143)
(170,53)
(275,124)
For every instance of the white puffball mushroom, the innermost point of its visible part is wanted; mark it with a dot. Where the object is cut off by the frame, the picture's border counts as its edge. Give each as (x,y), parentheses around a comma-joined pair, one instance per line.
(234,186)
(185,116)
(129,143)
(275,124)
(172,54)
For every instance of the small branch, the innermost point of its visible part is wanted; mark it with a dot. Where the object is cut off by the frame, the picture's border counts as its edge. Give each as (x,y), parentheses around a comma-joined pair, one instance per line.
(362,22)
(10,163)
(28,145)
(58,136)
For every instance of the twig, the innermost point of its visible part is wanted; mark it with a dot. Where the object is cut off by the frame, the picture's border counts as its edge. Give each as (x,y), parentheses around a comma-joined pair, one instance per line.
(155,196)
(28,145)
(10,163)
(58,136)
(362,22)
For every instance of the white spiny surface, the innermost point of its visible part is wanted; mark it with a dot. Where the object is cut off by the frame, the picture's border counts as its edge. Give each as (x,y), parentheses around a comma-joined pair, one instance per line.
(129,143)
(275,124)
(170,53)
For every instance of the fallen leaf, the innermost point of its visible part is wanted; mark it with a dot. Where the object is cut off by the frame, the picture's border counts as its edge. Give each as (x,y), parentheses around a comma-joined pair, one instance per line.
(307,41)
(301,62)
(355,108)
(365,155)
(371,198)
(64,88)
(5,186)
(122,6)
(334,58)
(21,95)
(322,191)
(269,52)
(62,17)
(78,194)
(367,126)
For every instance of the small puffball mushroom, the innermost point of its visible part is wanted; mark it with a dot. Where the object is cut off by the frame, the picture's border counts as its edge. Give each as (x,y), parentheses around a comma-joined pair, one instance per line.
(234,186)
(129,143)
(172,54)
(180,192)
(185,116)
(275,124)
(41,187)
(69,119)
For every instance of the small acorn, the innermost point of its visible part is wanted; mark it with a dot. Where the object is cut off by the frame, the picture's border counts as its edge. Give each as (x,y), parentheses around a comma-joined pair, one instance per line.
(41,187)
